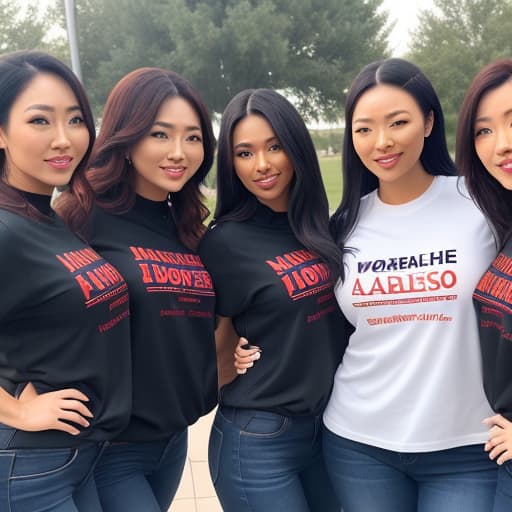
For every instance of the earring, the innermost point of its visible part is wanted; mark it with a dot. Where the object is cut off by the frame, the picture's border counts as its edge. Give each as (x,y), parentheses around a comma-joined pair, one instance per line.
(127,158)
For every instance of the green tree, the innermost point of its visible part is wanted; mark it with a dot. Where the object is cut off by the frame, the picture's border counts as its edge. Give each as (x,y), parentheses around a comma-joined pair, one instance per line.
(21,28)
(114,38)
(311,48)
(454,40)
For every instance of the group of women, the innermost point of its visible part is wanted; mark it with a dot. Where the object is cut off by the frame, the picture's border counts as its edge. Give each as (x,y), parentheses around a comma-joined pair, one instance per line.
(371,349)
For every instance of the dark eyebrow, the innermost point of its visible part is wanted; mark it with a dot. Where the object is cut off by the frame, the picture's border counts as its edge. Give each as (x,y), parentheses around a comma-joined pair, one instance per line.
(387,116)
(170,126)
(48,108)
(248,144)
(484,119)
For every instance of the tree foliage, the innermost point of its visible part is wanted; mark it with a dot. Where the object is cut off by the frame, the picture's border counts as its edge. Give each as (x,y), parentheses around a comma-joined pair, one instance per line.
(454,40)
(20,29)
(311,48)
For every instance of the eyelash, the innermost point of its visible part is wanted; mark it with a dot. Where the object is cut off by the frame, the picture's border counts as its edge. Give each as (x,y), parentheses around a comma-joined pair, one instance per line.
(42,121)
(163,135)
(399,122)
(37,120)
(246,154)
(481,132)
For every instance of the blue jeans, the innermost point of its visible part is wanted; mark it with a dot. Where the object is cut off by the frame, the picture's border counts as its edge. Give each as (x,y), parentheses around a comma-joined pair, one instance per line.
(141,476)
(47,479)
(503,502)
(367,478)
(264,462)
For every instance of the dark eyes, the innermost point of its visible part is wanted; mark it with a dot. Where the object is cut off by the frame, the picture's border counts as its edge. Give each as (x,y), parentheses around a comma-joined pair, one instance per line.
(163,135)
(247,154)
(39,120)
(43,121)
(365,129)
(482,131)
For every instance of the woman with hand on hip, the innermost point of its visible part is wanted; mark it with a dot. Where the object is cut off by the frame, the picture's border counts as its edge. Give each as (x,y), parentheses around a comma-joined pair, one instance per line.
(404,426)
(484,157)
(154,149)
(64,331)
(273,264)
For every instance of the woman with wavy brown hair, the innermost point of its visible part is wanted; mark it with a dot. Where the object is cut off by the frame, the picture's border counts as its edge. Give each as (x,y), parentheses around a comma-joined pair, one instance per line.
(153,151)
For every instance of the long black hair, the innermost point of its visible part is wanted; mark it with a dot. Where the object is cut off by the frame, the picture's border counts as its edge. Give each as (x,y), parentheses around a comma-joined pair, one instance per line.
(487,192)
(308,209)
(17,70)
(357,179)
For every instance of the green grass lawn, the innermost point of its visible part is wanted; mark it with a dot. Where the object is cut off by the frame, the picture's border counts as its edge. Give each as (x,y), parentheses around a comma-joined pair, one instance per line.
(331,175)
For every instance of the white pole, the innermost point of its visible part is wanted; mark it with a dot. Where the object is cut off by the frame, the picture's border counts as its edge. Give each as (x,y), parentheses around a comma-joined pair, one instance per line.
(73,42)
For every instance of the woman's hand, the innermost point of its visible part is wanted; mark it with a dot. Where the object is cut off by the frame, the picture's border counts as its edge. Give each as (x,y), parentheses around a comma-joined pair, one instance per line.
(499,444)
(47,410)
(245,355)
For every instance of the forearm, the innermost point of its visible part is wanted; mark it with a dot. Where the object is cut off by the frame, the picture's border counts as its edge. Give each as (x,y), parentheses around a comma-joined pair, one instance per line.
(226,340)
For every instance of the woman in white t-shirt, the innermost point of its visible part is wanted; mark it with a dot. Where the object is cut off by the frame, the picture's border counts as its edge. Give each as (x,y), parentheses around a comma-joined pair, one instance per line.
(404,428)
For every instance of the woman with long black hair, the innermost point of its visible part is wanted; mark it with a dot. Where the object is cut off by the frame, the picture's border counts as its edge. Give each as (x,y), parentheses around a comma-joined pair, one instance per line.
(146,213)
(65,380)
(484,157)
(273,265)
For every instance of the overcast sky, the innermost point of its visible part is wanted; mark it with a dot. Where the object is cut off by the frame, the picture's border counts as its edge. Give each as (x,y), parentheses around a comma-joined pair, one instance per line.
(404,12)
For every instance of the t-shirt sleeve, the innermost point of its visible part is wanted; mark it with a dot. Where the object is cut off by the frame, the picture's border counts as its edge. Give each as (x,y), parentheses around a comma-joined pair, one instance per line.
(224,267)
(11,277)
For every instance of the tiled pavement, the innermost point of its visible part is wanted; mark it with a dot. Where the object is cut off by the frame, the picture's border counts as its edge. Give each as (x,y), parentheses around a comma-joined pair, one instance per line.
(196,492)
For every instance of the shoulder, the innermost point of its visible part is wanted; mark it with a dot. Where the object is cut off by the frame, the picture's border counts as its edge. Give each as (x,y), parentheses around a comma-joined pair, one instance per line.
(454,186)
(219,242)
(220,234)
(366,203)
(13,224)
(12,236)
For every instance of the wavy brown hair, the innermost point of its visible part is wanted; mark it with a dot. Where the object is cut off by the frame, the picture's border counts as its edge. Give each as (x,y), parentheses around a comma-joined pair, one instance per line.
(129,114)
(17,71)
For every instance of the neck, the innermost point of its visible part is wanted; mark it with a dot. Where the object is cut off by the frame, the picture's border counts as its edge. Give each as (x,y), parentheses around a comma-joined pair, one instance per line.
(406,189)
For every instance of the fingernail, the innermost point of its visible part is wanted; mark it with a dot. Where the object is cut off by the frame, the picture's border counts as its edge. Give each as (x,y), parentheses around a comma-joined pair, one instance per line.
(256,356)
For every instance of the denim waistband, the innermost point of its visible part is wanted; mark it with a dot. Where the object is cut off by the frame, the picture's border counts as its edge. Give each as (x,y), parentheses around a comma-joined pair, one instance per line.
(241,417)
(11,438)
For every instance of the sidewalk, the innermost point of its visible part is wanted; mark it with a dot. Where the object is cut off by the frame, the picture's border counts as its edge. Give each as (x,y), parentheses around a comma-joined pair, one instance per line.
(196,492)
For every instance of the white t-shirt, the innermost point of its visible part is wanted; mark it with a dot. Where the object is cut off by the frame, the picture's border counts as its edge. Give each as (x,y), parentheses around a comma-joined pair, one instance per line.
(411,377)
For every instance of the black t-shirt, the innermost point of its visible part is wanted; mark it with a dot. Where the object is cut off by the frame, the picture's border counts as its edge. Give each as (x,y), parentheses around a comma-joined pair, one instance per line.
(63,323)
(493,302)
(172,319)
(280,297)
